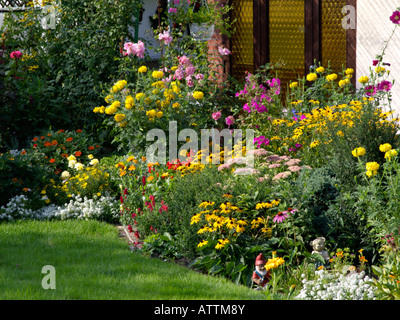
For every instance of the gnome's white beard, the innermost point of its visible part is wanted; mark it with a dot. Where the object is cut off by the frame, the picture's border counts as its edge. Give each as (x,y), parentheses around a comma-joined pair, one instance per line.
(261,272)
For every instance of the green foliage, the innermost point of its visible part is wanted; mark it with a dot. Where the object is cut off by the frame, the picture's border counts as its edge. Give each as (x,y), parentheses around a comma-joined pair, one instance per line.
(72,57)
(23,172)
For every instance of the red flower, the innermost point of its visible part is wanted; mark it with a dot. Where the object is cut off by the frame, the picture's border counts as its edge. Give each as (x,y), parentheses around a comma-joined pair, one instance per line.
(129,228)
(79,131)
(16,55)
(90,147)
(52,160)
(78,154)
(70,139)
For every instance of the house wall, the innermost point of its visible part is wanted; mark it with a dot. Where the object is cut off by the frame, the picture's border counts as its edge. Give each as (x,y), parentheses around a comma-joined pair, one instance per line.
(373,29)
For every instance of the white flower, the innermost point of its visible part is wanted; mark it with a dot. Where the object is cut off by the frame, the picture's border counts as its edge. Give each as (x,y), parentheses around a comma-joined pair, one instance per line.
(71,163)
(79,166)
(94,162)
(65,175)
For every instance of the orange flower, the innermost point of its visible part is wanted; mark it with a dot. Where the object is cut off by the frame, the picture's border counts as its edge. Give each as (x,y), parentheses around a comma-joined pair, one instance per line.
(60,131)
(79,131)
(91,148)
(47,144)
(52,160)
(14,179)
(54,142)
(42,137)
(23,152)
(35,139)
(78,154)
(64,155)
(70,139)
(49,134)
(97,146)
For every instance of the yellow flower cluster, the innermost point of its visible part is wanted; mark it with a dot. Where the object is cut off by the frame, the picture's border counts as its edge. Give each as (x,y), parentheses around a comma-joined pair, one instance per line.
(358,152)
(118,86)
(142,69)
(389,152)
(198,95)
(275,262)
(372,168)
(129,102)
(157,74)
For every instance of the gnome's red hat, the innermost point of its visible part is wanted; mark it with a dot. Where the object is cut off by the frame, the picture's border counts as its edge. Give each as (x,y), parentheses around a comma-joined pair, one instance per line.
(260,260)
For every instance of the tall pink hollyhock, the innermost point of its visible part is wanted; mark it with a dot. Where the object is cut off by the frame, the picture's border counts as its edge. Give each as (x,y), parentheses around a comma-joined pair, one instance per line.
(16,55)
(385,86)
(395,17)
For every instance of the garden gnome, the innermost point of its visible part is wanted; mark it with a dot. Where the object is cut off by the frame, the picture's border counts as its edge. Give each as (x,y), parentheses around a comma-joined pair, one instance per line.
(318,245)
(260,275)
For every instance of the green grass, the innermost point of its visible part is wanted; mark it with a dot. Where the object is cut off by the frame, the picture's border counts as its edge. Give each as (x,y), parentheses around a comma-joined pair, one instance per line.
(92,262)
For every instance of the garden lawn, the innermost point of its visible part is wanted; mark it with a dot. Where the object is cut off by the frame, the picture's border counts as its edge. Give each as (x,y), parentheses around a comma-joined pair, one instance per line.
(92,262)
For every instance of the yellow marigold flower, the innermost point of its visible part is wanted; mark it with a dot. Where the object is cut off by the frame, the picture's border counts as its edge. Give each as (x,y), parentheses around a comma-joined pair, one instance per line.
(385,147)
(110,110)
(331,77)
(390,154)
(372,166)
(142,69)
(358,152)
(109,98)
(119,117)
(139,95)
(293,85)
(320,69)
(198,95)
(344,82)
(379,69)
(312,77)
(349,71)
(151,113)
(149,179)
(363,79)
(174,68)
(159,114)
(157,74)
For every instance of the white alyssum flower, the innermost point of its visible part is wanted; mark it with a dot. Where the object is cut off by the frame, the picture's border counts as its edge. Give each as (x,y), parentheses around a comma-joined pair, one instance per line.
(334,286)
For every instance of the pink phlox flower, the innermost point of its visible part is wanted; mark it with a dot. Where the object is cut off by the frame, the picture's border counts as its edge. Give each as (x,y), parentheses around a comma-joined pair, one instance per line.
(224,51)
(165,36)
(179,73)
(216,115)
(172,10)
(189,81)
(184,61)
(134,49)
(189,70)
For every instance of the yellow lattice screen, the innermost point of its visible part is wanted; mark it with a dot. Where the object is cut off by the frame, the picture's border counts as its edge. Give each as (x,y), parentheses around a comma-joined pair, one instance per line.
(333,46)
(287,37)
(242,39)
